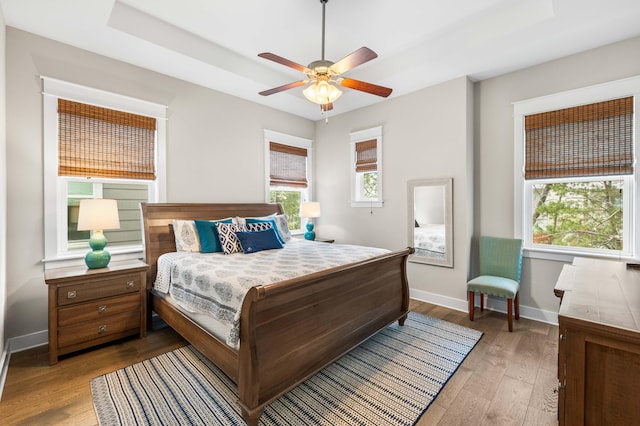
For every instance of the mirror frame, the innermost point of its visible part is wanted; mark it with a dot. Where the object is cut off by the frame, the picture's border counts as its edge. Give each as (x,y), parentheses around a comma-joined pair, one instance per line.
(447,184)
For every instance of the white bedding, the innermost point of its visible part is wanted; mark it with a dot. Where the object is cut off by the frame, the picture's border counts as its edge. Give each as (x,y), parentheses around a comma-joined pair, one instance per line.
(429,240)
(215,284)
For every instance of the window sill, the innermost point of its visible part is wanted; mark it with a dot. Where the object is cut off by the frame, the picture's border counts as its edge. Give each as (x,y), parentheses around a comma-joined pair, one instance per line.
(367,204)
(77,259)
(567,257)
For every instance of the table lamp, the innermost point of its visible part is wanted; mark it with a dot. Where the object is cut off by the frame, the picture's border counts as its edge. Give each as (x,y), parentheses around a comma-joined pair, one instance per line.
(97,215)
(310,210)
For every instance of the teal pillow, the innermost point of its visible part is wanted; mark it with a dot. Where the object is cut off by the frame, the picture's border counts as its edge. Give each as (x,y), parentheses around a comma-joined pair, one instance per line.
(208,233)
(273,223)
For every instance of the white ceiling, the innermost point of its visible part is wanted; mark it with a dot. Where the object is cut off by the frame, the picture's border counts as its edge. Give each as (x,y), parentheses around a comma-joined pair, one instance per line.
(214,43)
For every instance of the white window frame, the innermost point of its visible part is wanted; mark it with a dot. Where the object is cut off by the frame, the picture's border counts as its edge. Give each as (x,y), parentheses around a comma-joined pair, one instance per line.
(356,178)
(55,188)
(285,139)
(522,188)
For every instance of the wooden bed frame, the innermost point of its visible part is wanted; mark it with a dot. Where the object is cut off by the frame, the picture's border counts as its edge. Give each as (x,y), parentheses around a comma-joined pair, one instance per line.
(291,329)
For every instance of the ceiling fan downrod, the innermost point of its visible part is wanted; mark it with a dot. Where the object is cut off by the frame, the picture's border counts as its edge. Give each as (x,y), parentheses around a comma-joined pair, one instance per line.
(324,3)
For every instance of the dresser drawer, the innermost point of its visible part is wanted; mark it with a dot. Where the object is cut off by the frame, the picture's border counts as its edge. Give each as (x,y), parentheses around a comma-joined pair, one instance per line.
(98,309)
(97,329)
(98,289)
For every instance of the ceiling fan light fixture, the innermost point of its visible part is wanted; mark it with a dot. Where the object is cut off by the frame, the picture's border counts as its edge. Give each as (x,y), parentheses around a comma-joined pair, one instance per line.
(321,92)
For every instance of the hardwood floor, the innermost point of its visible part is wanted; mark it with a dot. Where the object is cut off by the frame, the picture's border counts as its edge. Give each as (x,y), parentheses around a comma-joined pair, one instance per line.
(508,378)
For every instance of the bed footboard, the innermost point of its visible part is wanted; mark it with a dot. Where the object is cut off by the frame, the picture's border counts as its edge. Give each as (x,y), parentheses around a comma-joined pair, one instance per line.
(292,329)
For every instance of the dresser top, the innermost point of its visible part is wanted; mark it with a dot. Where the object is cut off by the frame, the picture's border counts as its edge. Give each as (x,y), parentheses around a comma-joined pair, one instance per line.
(603,292)
(132,265)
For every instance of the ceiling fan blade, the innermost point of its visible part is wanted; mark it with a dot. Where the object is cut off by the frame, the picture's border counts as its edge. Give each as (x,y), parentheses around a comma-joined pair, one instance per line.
(366,87)
(283,61)
(283,87)
(326,107)
(359,57)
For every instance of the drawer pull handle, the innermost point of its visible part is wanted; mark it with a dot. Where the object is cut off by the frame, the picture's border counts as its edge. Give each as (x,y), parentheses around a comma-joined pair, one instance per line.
(71,294)
(102,309)
(129,284)
(102,328)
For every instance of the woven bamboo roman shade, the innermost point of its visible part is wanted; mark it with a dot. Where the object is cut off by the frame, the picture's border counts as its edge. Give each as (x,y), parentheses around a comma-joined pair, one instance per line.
(366,156)
(101,142)
(288,165)
(587,140)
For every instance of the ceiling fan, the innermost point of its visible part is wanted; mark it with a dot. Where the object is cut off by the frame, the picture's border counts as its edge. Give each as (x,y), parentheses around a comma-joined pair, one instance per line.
(322,73)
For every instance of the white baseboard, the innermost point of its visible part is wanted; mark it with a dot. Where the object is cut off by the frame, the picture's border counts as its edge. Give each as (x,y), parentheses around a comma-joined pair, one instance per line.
(28,341)
(494,304)
(4,366)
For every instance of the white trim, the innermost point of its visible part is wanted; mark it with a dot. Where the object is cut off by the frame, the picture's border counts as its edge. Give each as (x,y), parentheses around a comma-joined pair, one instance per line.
(493,304)
(54,89)
(5,358)
(28,341)
(582,96)
(360,136)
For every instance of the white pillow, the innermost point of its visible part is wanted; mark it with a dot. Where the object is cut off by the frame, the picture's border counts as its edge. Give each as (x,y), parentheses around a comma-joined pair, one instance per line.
(186,236)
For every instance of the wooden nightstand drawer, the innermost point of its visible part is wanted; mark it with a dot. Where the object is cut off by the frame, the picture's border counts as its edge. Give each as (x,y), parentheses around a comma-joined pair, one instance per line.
(98,309)
(82,292)
(92,330)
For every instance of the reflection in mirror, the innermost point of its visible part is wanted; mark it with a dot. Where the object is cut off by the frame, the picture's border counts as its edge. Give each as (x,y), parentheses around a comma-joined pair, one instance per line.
(430,220)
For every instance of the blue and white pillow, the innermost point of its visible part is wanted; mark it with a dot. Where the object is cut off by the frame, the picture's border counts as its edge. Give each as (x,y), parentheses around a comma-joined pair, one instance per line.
(227,236)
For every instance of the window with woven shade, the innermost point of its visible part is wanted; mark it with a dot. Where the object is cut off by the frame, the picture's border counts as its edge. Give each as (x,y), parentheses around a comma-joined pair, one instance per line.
(578,171)
(366,168)
(101,142)
(288,174)
(114,151)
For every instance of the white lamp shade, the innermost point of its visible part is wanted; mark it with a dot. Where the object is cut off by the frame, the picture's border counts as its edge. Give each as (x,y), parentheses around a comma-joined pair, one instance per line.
(98,213)
(310,209)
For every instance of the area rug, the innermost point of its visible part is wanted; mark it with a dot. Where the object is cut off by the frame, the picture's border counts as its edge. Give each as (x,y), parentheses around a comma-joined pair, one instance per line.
(391,379)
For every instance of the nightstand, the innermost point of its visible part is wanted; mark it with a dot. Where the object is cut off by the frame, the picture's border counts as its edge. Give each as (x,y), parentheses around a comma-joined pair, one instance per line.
(88,307)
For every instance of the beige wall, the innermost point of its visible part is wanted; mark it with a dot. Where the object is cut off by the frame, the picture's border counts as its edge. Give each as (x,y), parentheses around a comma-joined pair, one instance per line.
(426,134)
(214,151)
(494,144)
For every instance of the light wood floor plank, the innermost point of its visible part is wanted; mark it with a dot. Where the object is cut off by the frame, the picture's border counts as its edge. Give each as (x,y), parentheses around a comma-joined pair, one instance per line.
(38,394)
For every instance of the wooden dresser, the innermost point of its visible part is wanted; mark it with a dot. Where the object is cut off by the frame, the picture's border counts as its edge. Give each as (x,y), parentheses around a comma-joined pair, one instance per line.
(599,344)
(88,307)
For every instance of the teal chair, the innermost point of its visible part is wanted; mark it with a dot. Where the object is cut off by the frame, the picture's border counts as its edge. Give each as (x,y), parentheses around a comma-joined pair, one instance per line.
(500,269)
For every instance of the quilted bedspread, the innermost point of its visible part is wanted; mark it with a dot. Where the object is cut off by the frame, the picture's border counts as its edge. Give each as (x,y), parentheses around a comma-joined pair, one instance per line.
(216,284)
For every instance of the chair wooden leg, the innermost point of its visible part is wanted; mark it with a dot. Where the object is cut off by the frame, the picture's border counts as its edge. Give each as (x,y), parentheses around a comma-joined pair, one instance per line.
(516,302)
(510,313)
(471,303)
(481,302)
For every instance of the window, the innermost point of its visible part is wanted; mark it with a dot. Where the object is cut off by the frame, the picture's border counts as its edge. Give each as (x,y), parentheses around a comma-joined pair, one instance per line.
(578,181)
(288,166)
(98,145)
(366,168)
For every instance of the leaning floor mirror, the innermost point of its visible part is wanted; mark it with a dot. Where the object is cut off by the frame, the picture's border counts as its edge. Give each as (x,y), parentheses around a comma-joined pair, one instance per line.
(430,230)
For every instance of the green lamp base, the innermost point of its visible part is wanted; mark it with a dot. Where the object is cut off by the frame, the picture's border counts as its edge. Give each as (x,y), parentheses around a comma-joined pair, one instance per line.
(310,235)
(97,257)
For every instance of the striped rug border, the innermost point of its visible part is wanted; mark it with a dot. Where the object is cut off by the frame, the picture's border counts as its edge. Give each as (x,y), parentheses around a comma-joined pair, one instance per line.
(391,379)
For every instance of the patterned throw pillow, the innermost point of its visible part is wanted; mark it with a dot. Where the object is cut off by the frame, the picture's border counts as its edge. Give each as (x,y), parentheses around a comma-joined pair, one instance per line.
(186,236)
(228,239)
(283,227)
